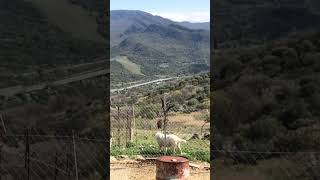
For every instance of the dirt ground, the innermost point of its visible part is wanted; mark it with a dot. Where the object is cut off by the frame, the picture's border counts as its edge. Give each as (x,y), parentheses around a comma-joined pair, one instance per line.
(135,170)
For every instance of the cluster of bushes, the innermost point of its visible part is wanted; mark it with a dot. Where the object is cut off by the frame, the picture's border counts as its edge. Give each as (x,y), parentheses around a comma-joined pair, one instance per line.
(267,97)
(261,20)
(188,95)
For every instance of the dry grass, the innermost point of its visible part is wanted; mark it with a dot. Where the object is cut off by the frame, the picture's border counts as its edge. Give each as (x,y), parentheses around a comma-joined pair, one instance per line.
(191,119)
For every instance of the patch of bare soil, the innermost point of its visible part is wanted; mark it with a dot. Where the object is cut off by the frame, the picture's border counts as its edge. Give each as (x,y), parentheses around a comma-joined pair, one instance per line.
(146,170)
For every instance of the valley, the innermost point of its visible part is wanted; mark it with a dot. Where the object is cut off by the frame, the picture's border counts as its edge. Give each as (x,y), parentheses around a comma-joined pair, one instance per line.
(155,46)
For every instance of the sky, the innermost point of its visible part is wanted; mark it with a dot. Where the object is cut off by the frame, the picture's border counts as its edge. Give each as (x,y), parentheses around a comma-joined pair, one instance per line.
(177,10)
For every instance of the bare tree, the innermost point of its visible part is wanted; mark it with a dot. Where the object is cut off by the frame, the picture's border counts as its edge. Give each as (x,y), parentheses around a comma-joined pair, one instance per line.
(166,106)
(159,124)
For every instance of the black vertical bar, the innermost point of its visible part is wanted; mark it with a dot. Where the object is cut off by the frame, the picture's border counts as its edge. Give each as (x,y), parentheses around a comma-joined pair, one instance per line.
(213,45)
(0,162)
(106,146)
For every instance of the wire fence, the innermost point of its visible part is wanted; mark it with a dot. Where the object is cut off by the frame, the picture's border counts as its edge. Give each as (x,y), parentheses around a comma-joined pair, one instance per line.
(286,157)
(266,165)
(51,154)
(133,133)
(134,128)
(66,154)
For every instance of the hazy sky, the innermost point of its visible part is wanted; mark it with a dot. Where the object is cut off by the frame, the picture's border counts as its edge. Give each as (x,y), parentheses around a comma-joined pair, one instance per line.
(177,10)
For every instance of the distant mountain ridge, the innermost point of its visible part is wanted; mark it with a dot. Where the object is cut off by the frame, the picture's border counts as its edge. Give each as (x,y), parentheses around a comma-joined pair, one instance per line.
(124,22)
(201,25)
(158,45)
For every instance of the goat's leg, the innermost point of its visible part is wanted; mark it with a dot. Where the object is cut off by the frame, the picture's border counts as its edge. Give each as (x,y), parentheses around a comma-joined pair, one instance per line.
(179,148)
(162,148)
(174,150)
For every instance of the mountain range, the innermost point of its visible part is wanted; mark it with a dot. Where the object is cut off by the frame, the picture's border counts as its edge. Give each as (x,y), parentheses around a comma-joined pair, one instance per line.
(143,45)
(125,22)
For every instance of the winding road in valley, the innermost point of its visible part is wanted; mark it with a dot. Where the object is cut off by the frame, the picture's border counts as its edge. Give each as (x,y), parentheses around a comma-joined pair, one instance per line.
(149,82)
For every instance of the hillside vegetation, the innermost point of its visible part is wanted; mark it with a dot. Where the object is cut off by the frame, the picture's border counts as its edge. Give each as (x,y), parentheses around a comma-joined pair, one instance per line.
(35,50)
(267,97)
(127,64)
(189,94)
(244,22)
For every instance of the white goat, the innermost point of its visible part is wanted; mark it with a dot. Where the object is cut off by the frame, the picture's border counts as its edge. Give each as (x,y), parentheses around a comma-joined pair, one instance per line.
(171,141)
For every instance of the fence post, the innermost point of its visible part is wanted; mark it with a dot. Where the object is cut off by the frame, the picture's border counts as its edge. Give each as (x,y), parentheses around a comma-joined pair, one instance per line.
(119,124)
(67,163)
(164,107)
(2,133)
(127,127)
(27,154)
(3,125)
(133,130)
(75,155)
(1,162)
(56,166)
(165,133)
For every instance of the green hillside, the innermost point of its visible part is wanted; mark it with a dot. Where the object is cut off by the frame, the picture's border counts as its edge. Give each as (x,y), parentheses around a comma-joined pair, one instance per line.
(128,65)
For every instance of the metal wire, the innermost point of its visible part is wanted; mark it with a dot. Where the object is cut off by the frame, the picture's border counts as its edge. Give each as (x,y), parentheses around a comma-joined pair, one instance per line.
(51,155)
